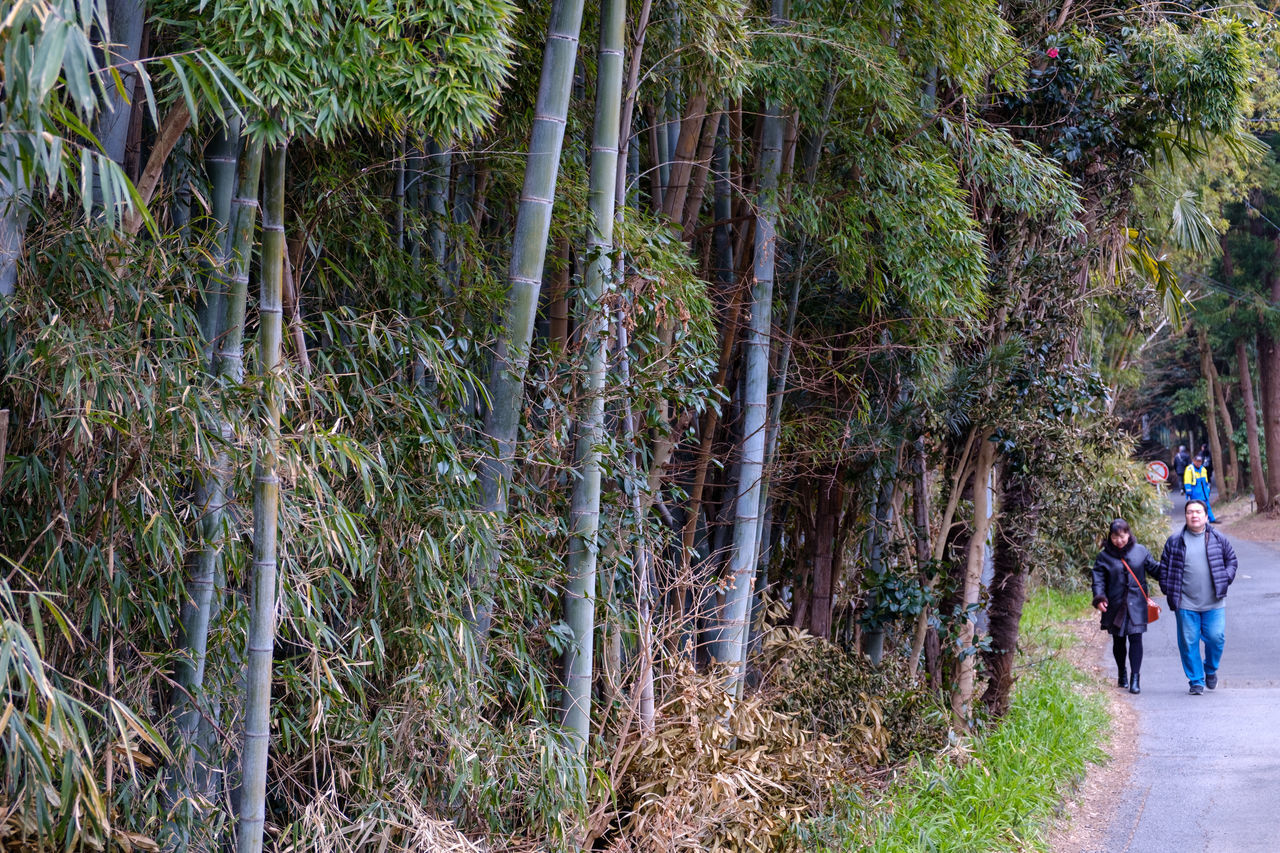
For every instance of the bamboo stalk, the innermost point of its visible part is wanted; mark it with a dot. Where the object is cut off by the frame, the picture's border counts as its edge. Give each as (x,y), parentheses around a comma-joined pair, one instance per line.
(266,509)
(229,345)
(222,158)
(730,635)
(529,250)
(584,513)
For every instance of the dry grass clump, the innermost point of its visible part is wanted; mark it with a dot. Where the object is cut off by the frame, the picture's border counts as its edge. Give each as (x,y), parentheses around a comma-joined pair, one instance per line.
(721,775)
(397,825)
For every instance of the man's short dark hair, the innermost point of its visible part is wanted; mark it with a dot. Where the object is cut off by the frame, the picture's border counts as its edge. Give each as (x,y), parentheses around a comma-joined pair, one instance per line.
(1197,502)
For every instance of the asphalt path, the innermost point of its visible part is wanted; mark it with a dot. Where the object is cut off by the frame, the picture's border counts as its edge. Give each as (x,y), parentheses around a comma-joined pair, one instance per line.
(1207,772)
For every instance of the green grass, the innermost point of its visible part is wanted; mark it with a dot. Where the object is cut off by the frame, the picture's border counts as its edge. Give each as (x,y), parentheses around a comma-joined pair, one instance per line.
(1004,796)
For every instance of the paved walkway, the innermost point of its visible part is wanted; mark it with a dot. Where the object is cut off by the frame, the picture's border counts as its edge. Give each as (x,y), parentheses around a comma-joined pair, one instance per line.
(1207,773)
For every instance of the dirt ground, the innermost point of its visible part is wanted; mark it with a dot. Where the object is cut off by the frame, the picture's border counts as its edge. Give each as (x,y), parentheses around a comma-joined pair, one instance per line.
(1239,521)
(1085,817)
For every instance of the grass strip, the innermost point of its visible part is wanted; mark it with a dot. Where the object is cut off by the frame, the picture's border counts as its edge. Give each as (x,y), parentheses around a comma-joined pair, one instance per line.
(1003,795)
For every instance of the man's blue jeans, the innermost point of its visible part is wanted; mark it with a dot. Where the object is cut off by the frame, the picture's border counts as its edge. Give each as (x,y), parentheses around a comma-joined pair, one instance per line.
(1209,626)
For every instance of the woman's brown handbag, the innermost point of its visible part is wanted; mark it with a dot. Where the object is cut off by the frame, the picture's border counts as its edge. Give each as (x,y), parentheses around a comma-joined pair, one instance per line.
(1153,609)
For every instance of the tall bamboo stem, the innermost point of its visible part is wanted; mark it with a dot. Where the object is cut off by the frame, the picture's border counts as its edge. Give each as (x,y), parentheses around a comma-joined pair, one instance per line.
(529,251)
(266,510)
(731,633)
(584,513)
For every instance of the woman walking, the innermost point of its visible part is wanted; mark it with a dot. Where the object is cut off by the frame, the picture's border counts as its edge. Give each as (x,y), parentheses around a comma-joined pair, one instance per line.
(1120,594)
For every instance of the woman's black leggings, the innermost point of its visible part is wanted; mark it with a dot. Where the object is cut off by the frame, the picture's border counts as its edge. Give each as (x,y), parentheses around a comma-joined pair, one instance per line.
(1135,651)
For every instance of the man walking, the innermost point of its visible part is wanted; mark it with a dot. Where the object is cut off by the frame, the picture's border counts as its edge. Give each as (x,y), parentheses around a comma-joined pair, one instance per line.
(1196,568)
(1181,460)
(1195,485)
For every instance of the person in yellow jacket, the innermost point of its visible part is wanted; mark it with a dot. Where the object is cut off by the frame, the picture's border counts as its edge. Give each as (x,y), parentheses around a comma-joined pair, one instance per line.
(1195,485)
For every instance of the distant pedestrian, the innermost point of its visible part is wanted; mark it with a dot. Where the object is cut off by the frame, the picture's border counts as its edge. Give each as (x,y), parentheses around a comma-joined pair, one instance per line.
(1208,462)
(1181,460)
(1120,594)
(1195,570)
(1195,485)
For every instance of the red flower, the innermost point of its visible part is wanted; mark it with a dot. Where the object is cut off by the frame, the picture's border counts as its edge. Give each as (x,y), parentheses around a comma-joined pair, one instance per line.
(1052,52)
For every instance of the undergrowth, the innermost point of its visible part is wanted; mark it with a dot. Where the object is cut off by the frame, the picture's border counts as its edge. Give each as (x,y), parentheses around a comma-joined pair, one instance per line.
(999,791)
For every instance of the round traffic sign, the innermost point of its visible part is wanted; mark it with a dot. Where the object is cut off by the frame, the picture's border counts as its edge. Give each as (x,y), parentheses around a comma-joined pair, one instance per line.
(1157,472)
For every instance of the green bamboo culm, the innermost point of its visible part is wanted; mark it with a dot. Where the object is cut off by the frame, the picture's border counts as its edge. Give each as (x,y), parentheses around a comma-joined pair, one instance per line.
(229,347)
(266,510)
(220,161)
(528,252)
(730,636)
(233,220)
(584,511)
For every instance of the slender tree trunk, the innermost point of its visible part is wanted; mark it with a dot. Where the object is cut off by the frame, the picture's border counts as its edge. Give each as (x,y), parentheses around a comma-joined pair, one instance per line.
(1269,385)
(558,298)
(266,511)
(529,250)
(1211,418)
(1256,476)
(940,543)
(962,694)
(584,513)
(1007,595)
(830,500)
(920,523)
(685,157)
(1231,470)
(731,632)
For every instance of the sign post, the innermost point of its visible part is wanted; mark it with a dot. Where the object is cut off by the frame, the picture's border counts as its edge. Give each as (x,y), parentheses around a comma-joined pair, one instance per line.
(1157,475)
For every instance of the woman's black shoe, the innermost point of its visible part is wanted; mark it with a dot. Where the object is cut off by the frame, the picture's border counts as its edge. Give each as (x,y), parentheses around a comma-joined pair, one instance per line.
(1133,684)
(1122,680)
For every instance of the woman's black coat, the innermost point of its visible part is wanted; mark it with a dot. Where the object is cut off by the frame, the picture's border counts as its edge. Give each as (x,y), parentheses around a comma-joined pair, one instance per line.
(1126,605)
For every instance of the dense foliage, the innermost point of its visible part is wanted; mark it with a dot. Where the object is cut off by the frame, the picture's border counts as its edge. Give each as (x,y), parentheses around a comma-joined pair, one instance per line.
(390,487)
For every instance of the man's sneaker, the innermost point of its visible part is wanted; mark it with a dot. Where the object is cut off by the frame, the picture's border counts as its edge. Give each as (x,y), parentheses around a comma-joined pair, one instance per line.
(1211,681)
(1197,689)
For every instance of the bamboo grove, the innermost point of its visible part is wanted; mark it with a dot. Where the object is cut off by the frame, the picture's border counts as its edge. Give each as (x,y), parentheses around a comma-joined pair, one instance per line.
(569,426)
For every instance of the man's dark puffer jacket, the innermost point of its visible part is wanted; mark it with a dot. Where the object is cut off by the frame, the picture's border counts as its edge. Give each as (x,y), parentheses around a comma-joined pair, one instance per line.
(1222,565)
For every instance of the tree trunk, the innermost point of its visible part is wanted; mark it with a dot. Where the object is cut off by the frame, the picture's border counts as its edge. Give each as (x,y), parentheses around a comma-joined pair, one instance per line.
(731,632)
(1231,471)
(1269,385)
(584,513)
(830,499)
(529,251)
(1211,418)
(686,150)
(1256,477)
(940,541)
(962,693)
(558,299)
(1007,594)
(266,512)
